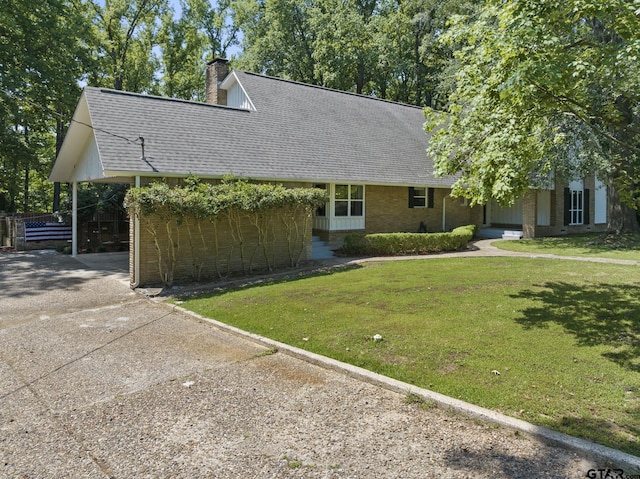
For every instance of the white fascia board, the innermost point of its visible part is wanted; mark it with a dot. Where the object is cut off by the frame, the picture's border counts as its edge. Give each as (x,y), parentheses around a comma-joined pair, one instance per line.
(79,158)
(230,81)
(148,174)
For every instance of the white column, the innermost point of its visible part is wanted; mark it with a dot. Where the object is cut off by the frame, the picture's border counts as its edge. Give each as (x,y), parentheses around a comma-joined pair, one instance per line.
(444,213)
(136,245)
(74,220)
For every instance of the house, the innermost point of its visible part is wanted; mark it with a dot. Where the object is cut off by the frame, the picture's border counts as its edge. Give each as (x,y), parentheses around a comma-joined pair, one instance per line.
(369,154)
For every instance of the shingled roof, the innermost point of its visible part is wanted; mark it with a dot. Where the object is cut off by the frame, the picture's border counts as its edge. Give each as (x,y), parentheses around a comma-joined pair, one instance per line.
(297,132)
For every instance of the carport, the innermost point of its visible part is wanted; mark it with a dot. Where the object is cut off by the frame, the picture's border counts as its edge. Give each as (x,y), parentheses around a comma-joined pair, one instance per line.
(80,160)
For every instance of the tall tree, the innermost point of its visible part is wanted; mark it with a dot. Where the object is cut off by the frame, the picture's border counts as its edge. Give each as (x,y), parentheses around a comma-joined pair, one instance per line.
(544,87)
(182,59)
(278,38)
(127,31)
(201,33)
(344,50)
(383,48)
(215,22)
(43,53)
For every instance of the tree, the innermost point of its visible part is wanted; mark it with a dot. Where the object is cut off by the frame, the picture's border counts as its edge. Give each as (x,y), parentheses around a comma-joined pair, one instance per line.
(215,23)
(203,32)
(344,50)
(543,87)
(44,46)
(382,48)
(127,31)
(411,60)
(182,59)
(278,38)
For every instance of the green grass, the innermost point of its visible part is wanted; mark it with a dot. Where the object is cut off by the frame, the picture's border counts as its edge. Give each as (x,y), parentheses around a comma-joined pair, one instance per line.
(564,335)
(590,245)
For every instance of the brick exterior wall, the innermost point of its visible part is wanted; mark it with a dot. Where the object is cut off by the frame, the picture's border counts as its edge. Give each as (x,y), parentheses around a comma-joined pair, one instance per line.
(195,257)
(531,229)
(387,211)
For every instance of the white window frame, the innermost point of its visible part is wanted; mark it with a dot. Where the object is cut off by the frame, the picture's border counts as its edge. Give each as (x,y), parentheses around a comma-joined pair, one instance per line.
(576,205)
(331,222)
(349,200)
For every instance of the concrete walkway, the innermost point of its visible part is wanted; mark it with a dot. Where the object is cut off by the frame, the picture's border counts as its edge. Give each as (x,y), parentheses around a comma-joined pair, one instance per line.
(98,381)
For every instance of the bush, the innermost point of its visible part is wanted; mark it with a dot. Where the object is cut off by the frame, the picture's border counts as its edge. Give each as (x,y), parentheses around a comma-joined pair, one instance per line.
(395,244)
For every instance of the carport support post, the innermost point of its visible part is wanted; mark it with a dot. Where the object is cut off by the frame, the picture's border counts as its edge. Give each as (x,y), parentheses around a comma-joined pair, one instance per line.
(74,219)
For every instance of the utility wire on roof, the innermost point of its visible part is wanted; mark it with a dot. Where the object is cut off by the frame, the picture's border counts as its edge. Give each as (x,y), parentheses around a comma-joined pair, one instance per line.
(66,118)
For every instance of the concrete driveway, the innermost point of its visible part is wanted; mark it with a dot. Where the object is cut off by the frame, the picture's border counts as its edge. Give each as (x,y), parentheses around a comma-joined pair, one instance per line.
(99,382)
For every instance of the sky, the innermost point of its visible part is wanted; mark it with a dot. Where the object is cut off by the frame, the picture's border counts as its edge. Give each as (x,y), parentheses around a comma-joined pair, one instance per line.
(175,4)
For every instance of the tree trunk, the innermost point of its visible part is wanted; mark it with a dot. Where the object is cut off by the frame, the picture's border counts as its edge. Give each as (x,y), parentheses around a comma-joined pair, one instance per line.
(621,218)
(27,167)
(56,185)
(360,79)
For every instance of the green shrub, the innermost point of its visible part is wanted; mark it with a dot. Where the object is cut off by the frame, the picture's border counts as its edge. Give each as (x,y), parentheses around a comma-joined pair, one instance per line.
(394,244)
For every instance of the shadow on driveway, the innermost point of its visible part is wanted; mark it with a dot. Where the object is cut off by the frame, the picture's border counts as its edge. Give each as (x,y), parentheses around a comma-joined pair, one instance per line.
(46,282)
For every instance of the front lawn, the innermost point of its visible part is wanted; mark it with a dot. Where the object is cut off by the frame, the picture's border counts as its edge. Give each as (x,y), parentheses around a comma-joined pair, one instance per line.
(589,245)
(564,336)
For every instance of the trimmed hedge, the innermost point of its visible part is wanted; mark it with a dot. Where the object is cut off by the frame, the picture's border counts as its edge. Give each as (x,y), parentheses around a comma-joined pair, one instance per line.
(396,244)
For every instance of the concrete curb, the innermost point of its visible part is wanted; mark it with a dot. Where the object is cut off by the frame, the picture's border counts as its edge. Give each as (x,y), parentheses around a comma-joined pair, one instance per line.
(612,457)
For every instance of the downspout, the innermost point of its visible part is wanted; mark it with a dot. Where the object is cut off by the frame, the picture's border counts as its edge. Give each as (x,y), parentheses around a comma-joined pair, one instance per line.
(74,219)
(444,213)
(136,246)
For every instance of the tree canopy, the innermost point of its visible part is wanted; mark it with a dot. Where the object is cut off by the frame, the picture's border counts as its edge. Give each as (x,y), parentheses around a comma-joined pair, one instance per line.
(43,54)
(382,48)
(542,87)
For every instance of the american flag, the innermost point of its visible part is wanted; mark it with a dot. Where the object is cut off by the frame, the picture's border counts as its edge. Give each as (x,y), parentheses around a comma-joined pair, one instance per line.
(44,231)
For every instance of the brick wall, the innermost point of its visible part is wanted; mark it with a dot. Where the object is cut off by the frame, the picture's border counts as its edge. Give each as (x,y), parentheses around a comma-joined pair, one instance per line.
(199,254)
(557,226)
(387,211)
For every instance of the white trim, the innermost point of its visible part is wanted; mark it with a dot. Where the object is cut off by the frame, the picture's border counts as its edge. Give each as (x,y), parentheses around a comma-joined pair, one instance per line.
(444,213)
(576,203)
(136,246)
(331,222)
(230,80)
(600,202)
(111,174)
(74,219)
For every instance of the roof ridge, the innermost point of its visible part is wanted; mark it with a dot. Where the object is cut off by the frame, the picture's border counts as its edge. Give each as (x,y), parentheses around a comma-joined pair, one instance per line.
(320,87)
(165,98)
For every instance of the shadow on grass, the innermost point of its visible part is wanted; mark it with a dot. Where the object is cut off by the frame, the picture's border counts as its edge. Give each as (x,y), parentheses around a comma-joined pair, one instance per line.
(621,434)
(602,314)
(222,286)
(590,244)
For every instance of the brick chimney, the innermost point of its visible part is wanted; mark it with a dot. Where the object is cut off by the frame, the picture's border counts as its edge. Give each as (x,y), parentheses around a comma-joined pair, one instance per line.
(217,70)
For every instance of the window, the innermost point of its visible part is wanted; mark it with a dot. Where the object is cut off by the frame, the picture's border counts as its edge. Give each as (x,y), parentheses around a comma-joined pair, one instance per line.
(576,204)
(420,197)
(349,200)
(576,207)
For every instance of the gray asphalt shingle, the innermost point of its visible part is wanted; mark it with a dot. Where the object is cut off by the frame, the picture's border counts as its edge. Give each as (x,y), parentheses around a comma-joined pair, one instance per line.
(298,132)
